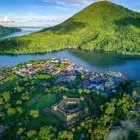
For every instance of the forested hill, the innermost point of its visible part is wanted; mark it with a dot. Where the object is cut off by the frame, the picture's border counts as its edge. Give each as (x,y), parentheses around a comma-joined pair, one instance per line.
(101,26)
(8,30)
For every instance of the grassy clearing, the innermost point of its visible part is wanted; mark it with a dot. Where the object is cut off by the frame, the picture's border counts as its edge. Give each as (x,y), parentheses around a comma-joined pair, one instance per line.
(41,101)
(46,120)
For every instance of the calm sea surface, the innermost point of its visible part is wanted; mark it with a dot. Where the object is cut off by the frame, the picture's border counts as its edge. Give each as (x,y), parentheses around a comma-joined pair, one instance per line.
(96,61)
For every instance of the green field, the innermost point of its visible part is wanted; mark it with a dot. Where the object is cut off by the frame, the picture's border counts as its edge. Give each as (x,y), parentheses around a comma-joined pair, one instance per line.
(48,120)
(40,101)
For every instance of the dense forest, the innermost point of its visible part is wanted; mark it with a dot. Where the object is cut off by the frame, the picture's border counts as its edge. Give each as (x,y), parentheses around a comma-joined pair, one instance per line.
(8,30)
(101,26)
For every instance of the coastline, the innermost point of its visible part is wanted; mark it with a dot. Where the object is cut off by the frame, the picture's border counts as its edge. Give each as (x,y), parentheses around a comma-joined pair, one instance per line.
(78,48)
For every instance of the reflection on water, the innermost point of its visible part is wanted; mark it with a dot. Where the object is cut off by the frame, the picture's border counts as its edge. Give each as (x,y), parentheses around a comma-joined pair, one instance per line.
(103,60)
(96,61)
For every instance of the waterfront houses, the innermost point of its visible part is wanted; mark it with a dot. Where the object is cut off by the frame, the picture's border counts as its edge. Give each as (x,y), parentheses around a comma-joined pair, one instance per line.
(68,74)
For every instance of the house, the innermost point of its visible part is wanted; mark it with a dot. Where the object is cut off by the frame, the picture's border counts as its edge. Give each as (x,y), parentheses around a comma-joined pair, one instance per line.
(66,72)
(114,74)
(28,65)
(109,83)
(1,77)
(56,72)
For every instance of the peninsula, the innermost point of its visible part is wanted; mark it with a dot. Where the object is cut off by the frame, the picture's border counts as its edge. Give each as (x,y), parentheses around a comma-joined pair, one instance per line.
(8,30)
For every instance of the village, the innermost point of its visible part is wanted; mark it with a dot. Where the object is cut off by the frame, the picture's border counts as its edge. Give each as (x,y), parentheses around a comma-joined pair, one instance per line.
(68,74)
(60,93)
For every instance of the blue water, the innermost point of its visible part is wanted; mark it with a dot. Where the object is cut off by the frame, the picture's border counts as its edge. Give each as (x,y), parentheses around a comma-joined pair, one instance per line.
(96,61)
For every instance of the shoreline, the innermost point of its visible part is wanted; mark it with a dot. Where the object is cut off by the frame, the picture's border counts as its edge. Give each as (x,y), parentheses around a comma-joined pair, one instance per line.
(87,50)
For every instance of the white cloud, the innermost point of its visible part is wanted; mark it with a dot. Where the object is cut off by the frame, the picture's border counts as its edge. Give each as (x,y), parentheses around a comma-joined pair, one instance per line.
(60,8)
(34,19)
(70,2)
(4,19)
(31,19)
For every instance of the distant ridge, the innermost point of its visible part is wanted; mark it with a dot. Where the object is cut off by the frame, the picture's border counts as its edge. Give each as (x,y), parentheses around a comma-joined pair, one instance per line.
(101,26)
(8,30)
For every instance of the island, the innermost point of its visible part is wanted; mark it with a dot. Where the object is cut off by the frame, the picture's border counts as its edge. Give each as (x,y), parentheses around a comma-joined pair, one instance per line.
(102,26)
(8,30)
(57,99)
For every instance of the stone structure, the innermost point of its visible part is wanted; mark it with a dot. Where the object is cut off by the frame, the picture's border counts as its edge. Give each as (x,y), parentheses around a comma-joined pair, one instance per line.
(70,109)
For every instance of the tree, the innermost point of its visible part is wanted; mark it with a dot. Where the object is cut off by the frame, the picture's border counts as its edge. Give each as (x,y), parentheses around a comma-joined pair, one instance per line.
(20,110)
(20,131)
(31,133)
(11,111)
(110,109)
(1,101)
(65,135)
(34,113)
(6,96)
(18,102)
(25,97)
(47,133)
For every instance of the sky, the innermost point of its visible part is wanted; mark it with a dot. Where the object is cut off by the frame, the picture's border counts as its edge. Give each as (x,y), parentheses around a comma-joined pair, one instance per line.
(46,13)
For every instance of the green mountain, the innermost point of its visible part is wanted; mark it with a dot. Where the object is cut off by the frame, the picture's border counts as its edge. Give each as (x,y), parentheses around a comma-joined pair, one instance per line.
(101,26)
(8,30)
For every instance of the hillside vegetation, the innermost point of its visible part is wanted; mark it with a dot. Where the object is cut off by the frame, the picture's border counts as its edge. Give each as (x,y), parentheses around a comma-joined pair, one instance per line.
(8,30)
(101,26)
